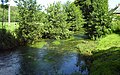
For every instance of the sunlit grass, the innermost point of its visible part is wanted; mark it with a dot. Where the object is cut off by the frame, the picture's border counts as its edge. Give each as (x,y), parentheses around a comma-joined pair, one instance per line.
(11,27)
(86,47)
(112,40)
(39,44)
(56,42)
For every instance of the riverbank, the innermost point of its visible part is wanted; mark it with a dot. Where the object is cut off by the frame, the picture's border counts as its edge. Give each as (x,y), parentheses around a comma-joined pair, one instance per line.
(103,55)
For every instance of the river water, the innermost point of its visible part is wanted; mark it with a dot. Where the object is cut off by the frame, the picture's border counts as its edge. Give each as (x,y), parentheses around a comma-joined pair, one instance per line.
(42,61)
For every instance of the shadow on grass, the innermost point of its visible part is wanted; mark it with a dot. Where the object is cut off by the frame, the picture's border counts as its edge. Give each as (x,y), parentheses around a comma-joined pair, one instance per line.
(7,40)
(106,62)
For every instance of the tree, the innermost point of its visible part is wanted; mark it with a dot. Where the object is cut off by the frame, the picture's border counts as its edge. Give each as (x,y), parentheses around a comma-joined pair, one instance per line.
(100,23)
(98,20)
(57,27)
(74,17)
(85,6)
(29,25)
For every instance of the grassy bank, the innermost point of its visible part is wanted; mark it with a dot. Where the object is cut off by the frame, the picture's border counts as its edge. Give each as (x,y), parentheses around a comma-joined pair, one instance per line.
(106,62)
(104,55)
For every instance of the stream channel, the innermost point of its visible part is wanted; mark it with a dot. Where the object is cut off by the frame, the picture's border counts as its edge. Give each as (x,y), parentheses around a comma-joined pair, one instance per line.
(49,60)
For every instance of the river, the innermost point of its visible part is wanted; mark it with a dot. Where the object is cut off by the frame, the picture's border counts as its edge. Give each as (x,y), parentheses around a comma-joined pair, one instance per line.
(48,60)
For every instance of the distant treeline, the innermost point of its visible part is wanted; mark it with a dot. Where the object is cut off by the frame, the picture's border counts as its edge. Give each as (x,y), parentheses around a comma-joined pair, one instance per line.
(14,13)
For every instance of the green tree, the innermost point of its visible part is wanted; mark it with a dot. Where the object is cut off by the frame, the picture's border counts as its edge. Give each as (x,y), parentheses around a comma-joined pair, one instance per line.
(100,23)
(74,17)
(85,6)
(57,27)
(98,20)
(30,27)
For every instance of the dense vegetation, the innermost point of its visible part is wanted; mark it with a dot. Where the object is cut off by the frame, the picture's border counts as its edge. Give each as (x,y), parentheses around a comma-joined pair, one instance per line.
(96,15)
(58,21)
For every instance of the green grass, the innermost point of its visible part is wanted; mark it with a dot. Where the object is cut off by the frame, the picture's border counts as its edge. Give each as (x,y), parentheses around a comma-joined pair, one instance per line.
(106,62)
(85,47)
(112,40)
(56,42)
(11,28)
(39,44)
(104,54)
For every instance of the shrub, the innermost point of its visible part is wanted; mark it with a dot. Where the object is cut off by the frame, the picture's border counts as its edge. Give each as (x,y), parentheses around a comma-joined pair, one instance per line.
(116,24)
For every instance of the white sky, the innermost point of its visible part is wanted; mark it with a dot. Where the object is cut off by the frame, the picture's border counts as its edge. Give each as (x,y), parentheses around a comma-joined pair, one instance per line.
(112,3)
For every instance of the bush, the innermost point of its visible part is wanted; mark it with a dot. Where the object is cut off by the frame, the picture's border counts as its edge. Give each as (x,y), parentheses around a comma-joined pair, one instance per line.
(116,24)
(30,32)
(100,23)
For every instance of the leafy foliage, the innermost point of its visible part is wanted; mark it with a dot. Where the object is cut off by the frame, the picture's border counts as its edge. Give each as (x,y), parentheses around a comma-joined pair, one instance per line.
(116,24)
(29,25)
(85,6)
(98,20)
(100,23)
(74,17)
(57,27)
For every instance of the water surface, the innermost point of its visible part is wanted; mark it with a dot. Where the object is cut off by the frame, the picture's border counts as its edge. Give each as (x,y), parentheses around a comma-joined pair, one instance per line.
(42,61)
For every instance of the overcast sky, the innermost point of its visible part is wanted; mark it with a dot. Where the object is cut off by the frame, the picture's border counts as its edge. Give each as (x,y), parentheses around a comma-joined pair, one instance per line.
(112,3)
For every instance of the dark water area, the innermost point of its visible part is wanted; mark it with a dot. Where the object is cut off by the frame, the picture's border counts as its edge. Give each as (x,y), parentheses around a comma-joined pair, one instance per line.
(42,61)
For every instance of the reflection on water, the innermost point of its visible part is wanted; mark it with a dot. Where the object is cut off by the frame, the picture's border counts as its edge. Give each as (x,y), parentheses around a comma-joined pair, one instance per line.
(35,61)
